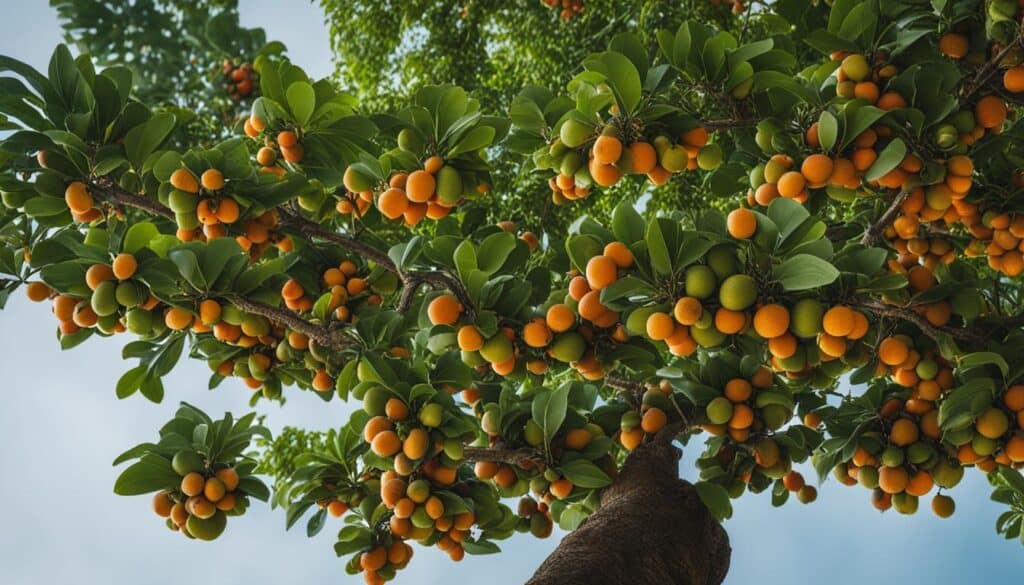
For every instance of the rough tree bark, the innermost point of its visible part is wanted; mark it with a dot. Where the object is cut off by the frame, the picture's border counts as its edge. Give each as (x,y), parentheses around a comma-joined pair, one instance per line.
(651,529)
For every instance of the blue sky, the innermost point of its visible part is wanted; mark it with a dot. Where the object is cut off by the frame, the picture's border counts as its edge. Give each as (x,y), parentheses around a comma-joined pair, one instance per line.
(61,425)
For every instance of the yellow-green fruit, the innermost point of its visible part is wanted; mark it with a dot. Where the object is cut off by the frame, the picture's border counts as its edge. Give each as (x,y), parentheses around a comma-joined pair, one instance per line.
(700,281)
(418,491)
(139,321)
(128,294)
(182,201)
(375,400)
(947,474)
(868,477)
(742,89)
(104,299)
(738,292)
(498,349)
(892,457)
(108,323)
(490,422)
(709,157)
(904,503)
(356,181)
(185,462)
(572,161)
(568,347)
(707,337)
(449,185)
(533,434)
(574,133)
(420,518)
(255,325)
(806,318)
(472,359)
(674,159)
(231,315)
(431,414)
(920,453)
(722,261)
(187,221)
(207,529)
(795,362)
(719,410)
(856,67)
(775,416)
(454,449)
(409,140)
(636,322)
(983,446)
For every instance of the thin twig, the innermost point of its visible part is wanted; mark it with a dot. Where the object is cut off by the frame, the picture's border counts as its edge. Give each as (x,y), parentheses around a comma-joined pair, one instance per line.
(873,232)
(501,455)
(110,192)
(333,339)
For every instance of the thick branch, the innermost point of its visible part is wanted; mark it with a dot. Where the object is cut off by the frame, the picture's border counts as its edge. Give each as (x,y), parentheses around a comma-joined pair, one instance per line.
(323,336)
(983,74)
(500,455)
(728,123)
(312,230)
(633,390)
(871,236)
(110,192)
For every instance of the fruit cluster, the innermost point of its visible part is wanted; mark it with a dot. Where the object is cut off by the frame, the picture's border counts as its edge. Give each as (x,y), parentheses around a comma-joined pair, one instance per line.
(240,79)
(284,145)
(584,155)
(428,192)
(78,199)
(207,495)
(568,8)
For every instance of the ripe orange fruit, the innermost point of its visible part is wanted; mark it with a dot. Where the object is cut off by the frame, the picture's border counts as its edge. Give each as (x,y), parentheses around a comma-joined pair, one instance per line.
(738,390)
(619,253)
(771,321)
(287,139)
(903,432)
(893,351)
(645,158)
(536,333)
(392,203)
(741,223)
(601,272)
(184,179)
(444,310)
(695,137)
(77,197)
(37,291)
(212,180)
(953,45)
(730,322)
(607,149)
(386,443)
(660,326)
(420,186)
(893,480)
(433,164)
(177,318)
(990,111)
(124,266)
(560,318)
(817,169)
(1013,79)
(839,321)
(469,338)
(688,310)
(791,184)
(783,346)
(653,420)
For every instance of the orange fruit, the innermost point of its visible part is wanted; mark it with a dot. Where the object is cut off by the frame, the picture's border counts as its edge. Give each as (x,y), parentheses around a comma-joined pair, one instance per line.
(771,321)
(741,223)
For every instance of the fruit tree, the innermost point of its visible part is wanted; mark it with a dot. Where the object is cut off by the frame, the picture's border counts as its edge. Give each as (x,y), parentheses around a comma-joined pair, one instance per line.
(787,235)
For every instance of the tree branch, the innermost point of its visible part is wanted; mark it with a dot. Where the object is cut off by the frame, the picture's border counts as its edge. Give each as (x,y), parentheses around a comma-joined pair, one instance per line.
(873,232)
(332,339)
(908,315)
(634,390)
(112,193)
(312,230)
(983,74)
(500,455)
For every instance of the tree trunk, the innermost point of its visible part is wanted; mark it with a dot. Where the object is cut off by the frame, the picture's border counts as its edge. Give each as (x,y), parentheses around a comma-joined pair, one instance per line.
(651,529)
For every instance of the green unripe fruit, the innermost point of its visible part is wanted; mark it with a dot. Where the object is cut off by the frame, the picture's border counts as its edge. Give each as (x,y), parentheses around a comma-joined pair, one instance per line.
(705,321)
(409,140)
(709,157)
(892,457)
(719,410)
(139,321)
(574,133)
(539,485)
(766,130)
(431,414)
(551,475)
(636,322)
(312,201)
(208,529)
(255,325)
(920,452)
(557,149)
(700,281)
(946,136)
(723,262)
(926,369)
(104,299)
(947,474)
(775,416)
(498,349)
(187,221)
(630,420)
(904,503)
(185,462)
(108,323)
(796,362)
(473,359)
(708,337)
(533,434)
(420,518)
(182,201)
(959,437)
(742,89)
(374,400)
(868,477)
(656,399)
(856,67)
(356,181)
(128,294)
(449,185)
(231,315)
(674,159)
(454,449)
(366,373)
(738,292)
(582,177)
(572,161)
(806,318)
(963,121)
(756,176)
(568,347)
(983,446)
(490,422)
(14,199)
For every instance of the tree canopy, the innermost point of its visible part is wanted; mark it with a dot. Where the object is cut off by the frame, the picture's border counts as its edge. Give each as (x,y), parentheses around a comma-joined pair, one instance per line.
(541,243)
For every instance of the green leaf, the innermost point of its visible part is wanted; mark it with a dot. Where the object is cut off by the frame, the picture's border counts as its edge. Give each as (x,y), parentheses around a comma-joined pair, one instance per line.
(475,139)
(981,358)
(716,498)
(804,272)
(657,247)
(585,474)
(549,408)
(142,140)
(828,129)
(890,158)
(964,403)
(151,473)
(494,251)
(302,101)
(138,236)
(627,224)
